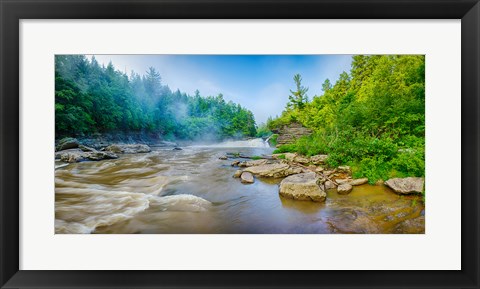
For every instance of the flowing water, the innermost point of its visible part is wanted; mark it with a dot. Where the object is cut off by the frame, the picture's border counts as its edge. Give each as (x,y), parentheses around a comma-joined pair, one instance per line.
(192,191)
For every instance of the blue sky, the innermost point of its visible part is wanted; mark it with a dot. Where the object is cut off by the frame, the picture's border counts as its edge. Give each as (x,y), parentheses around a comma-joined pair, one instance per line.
(261,83)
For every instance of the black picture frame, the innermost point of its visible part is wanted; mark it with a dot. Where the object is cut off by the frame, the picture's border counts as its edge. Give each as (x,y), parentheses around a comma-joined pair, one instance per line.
(12,11)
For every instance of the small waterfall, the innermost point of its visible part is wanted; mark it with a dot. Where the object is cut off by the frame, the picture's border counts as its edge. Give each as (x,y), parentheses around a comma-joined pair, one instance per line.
(268,138)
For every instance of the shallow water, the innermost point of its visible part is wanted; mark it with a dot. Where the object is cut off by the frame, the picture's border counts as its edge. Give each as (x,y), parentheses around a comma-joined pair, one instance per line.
(192,191)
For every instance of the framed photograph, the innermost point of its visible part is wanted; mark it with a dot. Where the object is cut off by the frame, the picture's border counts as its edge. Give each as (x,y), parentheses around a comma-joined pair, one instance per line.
(242,144)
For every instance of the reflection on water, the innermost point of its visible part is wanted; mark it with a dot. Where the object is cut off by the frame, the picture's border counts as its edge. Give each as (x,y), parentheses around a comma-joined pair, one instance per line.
(192,191)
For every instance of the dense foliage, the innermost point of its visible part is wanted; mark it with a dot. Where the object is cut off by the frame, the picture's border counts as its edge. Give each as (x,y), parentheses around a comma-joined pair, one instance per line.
(373,118)
(90,98)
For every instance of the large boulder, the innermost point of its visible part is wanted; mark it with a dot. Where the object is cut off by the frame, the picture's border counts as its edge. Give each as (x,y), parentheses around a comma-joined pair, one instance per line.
(128,148)
(67,143)
(86,149)
(290,156)
(237,173)
(328,185)
(344,189)
(358,182)
(285,156)
(274,170)
(304,187)
(78,155)
(353,182)
(328,172)
(71,155)
(318,159)
(301,160)
(246,178)
(98,156)
(343,181)
(404,186)
(254,163)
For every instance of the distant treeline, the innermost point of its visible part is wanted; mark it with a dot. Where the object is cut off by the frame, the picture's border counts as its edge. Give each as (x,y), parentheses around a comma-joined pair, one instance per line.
(91,98)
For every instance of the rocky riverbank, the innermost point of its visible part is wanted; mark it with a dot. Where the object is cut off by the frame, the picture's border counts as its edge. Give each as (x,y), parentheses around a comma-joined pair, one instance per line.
(102,140)
(308,178)
(71,150)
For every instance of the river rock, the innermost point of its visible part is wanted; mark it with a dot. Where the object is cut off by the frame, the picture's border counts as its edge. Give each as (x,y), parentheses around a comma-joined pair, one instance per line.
(343,181)
(286,156)
(128,148)
(329,185)
(67,143)
(86,149)
(274,170)
(246,178)
(411,226)
(223,158)
(358,182)
(328,173)
(318,159)
(301,159)
(319,169)
(290,156)
(71,155)
(176,149)
(353,182)
(302,187)
(235,163)
(350,221)
(253,163)
(78,155)
(237,173)
(345,170)
(404,186)
(98,156)
(344,189)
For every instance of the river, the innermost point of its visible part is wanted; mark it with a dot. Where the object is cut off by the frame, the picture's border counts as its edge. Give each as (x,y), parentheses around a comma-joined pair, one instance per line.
(192,191)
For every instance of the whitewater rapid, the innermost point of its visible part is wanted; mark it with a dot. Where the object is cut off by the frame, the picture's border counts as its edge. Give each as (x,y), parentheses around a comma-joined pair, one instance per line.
(132,193)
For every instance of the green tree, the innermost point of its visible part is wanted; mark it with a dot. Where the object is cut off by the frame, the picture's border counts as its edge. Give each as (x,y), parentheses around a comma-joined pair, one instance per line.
(298,98)
(326,86)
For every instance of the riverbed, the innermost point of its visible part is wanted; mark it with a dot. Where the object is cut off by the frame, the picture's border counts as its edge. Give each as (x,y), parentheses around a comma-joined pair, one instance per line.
(192,191)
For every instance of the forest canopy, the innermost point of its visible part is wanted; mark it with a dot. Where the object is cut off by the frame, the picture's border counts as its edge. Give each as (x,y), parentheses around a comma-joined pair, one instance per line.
(91,98)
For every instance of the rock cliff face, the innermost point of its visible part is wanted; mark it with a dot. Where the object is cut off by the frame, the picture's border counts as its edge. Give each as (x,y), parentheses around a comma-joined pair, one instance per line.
(289,133)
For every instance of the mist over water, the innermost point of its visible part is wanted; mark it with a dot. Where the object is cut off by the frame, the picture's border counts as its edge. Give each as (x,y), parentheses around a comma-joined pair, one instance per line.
(251,143)
(192,191)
